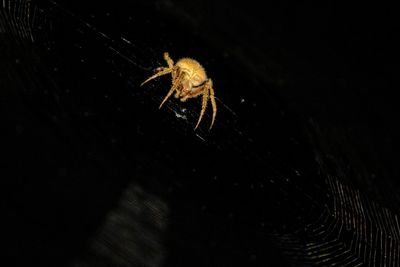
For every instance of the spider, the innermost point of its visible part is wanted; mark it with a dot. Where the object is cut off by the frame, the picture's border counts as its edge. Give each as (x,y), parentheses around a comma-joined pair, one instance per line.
(189,79)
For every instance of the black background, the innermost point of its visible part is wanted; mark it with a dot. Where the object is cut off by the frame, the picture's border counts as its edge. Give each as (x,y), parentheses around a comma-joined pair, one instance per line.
(305,91)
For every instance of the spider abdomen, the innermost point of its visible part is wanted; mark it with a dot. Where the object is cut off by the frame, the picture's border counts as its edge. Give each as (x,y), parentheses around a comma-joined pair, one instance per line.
(194,70)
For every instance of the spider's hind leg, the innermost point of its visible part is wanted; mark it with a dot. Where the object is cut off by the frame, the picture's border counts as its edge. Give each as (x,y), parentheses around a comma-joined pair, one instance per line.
(208,94)
(213,103)
(203,105)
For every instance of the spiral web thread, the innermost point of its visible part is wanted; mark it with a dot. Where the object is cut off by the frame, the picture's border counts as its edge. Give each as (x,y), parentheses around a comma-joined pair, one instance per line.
(354,232)
(18,18)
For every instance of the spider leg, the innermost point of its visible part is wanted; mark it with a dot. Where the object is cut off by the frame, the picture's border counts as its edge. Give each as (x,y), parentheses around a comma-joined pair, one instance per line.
(167,58)
(158,74)
(175,74)
(194,93)
(203,106)
(213,103)
(161,71)
(175,85)
(170,63)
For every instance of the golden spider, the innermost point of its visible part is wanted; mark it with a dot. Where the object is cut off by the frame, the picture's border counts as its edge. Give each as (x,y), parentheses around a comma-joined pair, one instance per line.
(189,79)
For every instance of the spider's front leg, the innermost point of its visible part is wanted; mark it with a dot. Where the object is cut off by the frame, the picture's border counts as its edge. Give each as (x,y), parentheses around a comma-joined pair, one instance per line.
(169,60)
(175,85)
(159,72)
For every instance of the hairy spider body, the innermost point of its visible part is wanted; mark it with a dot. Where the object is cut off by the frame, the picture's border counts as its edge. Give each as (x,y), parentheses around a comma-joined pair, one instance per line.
(189,79)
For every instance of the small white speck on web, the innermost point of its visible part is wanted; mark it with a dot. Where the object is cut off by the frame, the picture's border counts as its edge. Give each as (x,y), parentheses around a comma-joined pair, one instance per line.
(242,100)
(180,116)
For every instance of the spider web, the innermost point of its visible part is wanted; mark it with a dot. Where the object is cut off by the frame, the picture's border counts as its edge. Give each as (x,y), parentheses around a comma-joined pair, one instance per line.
(351,231)
(79,71)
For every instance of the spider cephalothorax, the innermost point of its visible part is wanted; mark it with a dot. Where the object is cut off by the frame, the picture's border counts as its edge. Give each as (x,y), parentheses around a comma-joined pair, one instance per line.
(189,79)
